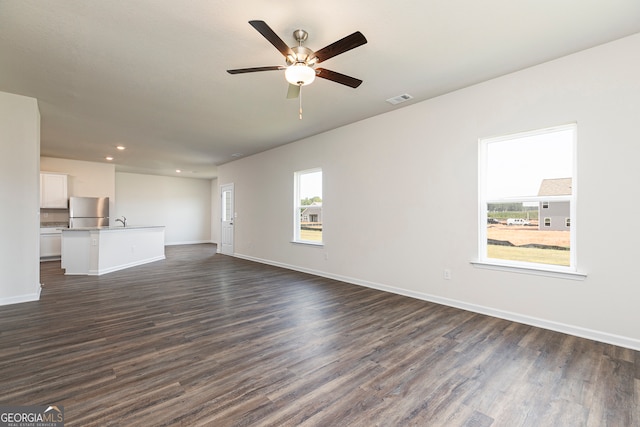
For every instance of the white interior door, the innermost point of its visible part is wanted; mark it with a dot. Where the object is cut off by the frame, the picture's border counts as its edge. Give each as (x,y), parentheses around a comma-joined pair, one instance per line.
(227,216)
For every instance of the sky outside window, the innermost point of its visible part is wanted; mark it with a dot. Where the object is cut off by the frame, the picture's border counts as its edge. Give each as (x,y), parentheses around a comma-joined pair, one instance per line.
(311,185)
(516,167)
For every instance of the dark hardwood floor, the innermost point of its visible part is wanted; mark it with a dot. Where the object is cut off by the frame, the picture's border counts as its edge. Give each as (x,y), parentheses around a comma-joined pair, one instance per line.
(206,339)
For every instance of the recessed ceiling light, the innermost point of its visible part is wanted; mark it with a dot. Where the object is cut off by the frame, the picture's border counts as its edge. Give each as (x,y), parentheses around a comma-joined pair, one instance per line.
(109,158)
(120,147)
(178,170)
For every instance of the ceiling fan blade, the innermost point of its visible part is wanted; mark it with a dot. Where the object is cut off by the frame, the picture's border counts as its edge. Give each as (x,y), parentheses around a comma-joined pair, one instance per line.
(293,91)
(350,42)
(255,69)
(272,37)
(338,78)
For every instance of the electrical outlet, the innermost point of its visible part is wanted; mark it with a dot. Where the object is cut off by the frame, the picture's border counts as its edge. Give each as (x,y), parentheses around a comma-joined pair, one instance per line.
(447,274)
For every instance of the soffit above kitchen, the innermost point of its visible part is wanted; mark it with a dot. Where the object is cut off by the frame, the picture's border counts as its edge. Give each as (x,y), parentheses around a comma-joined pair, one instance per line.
(151,74)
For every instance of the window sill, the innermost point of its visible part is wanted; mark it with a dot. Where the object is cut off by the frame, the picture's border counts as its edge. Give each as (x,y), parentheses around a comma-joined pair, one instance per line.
(300,242)
(573,275)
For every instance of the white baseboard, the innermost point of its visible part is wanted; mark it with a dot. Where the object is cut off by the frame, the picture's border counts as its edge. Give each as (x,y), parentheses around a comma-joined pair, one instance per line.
(119,267)
(22,298)
(578,331)
(190,242)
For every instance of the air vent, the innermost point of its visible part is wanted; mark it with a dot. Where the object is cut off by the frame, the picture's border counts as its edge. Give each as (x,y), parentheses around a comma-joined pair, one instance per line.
(399,99)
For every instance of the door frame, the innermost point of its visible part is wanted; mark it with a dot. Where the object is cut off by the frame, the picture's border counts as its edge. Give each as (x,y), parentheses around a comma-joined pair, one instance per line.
(227,226)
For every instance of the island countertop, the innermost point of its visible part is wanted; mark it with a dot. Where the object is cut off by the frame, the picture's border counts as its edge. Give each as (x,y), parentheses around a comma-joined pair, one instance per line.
(111,227)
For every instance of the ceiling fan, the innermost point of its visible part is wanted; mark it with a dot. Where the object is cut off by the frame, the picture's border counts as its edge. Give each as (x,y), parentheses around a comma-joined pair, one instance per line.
(301,61)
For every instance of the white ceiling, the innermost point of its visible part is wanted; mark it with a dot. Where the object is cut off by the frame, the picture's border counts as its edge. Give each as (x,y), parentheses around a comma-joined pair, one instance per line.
(151,74)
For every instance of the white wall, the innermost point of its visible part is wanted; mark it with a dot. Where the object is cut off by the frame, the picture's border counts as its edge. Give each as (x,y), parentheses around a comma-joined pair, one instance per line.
(19,199)
(215,211)
(182,205)
(414,172)
(85,179)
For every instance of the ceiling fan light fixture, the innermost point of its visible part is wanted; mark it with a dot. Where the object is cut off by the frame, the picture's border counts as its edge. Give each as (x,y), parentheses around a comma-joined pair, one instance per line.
(300,74)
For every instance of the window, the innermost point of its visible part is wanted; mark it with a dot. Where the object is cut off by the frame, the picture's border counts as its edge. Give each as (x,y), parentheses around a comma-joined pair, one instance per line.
(308,206)
(520,176)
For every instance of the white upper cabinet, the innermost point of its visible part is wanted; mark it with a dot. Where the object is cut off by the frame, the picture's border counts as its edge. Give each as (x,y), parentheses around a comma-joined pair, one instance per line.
(53,191)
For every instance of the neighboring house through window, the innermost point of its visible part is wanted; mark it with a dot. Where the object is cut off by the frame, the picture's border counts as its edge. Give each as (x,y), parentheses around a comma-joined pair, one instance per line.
(558,211)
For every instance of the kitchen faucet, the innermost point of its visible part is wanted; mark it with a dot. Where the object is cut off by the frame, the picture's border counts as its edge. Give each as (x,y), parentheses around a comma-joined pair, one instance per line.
(123,221)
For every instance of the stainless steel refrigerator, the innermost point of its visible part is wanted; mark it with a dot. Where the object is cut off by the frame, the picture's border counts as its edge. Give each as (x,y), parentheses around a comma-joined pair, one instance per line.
(88,212)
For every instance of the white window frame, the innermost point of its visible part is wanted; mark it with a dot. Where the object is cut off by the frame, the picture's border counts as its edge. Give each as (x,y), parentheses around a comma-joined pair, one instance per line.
(297,206)
(483,260)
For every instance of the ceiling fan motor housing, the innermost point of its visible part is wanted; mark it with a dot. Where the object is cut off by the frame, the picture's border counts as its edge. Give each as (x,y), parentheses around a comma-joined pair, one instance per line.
(303,55)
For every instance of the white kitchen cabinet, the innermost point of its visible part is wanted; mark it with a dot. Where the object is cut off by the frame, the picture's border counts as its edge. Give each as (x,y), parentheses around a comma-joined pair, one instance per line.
(50,243)
(53,191)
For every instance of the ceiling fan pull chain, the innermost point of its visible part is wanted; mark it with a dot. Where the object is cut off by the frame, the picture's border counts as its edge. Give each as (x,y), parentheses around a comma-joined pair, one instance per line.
(300,99)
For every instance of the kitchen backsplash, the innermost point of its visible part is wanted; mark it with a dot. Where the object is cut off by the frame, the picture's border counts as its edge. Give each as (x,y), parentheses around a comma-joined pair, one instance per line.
(54,217)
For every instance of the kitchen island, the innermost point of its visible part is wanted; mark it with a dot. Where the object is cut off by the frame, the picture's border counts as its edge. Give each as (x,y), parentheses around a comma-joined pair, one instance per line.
(98,250)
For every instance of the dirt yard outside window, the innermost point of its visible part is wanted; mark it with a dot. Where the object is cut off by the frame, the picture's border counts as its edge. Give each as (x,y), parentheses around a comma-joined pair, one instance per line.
(549,247)
(520,235)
